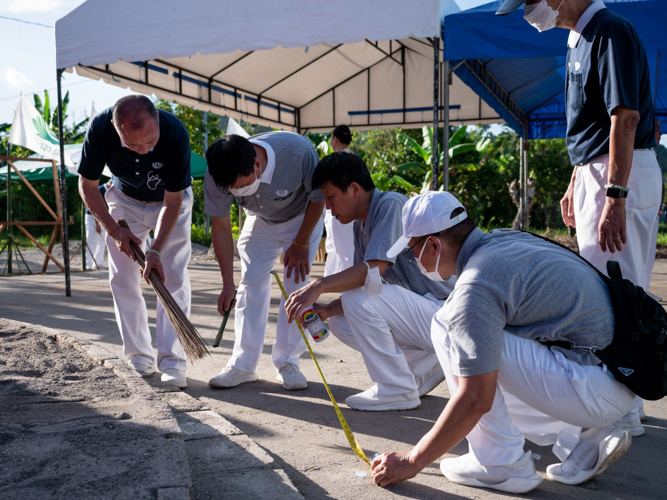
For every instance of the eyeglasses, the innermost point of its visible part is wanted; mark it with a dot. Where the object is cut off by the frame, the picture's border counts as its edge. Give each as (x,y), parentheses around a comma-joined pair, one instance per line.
(405,253)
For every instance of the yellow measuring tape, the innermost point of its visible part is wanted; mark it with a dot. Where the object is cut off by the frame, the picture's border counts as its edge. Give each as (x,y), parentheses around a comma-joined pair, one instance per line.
(343,423)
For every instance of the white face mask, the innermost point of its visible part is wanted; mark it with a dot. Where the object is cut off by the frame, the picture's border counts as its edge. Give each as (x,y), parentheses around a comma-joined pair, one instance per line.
(541,16)
(434,275)
(247,190)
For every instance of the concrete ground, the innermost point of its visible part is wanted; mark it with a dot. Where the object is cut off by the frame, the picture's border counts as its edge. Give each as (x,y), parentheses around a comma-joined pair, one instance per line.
(299,430)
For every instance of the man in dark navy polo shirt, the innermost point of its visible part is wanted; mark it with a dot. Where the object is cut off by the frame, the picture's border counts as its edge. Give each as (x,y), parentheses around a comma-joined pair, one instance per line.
(614,194)
(148,154)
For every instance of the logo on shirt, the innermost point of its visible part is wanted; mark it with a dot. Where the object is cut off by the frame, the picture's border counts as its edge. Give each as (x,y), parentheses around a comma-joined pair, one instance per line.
(282,192)
(153,180)
(626,371)
(157,165)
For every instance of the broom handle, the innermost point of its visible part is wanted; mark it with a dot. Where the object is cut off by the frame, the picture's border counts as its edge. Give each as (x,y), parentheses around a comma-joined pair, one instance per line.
(218,337)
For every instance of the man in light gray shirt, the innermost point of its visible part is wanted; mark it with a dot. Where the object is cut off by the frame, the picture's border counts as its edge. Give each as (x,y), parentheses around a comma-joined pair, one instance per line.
(513,292)
(389,323)
(270,175)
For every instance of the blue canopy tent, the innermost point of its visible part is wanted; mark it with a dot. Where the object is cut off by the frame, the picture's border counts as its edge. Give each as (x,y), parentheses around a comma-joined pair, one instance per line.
(520,73)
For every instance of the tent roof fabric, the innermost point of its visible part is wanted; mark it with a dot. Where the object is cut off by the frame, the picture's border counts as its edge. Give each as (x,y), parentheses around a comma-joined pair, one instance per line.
(303,65)
(520,73)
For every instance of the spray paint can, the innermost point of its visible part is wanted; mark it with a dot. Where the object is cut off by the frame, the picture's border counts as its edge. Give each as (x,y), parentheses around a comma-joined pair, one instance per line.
(311,320)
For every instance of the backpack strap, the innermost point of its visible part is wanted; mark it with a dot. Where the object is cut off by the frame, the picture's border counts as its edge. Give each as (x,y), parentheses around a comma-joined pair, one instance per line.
(614,270)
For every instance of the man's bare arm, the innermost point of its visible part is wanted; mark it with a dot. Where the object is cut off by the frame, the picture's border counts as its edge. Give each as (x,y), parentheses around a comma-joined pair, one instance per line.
(223,244)
(472,400)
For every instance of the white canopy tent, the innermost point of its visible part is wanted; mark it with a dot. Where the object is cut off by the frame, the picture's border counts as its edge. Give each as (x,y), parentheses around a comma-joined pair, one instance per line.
(297,65)
(302,65)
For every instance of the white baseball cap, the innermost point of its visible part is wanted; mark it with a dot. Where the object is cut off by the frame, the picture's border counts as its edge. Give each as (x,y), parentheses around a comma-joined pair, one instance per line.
(426,214)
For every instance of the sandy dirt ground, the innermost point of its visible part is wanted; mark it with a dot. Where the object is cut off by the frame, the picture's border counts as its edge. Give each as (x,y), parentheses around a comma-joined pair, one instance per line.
(300,429)
(71,428)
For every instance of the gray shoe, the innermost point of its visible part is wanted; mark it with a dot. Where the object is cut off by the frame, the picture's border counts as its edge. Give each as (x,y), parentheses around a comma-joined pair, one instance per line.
(231,377)
(370,400)
(291,377)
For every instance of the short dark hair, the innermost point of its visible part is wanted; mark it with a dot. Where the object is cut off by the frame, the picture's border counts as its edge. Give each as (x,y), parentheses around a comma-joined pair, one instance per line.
(229,158)
(130,111)
(343,134)
(456,235)
(341,170)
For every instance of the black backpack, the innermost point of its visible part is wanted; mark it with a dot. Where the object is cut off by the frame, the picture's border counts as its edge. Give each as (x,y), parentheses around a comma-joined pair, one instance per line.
(638,354)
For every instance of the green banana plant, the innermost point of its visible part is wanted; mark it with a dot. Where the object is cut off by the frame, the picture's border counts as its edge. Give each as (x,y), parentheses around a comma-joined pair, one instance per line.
(425,152)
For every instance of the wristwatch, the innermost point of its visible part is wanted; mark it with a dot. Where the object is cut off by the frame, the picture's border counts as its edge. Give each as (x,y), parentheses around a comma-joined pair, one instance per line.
(614,191)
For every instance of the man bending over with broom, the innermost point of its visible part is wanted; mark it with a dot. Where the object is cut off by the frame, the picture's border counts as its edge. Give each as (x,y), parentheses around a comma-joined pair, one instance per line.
(148,153)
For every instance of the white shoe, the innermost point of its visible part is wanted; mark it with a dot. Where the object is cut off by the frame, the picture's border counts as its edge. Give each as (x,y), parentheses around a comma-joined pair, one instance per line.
(429,381)
(174,376)
(231,377)
(370,400)
(143,369)
(597,450)
(291,377)
(520,477)
(632,421)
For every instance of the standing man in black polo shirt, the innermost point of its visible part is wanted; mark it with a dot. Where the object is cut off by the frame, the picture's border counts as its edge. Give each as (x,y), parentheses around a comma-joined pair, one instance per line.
(148,153)
(614,194)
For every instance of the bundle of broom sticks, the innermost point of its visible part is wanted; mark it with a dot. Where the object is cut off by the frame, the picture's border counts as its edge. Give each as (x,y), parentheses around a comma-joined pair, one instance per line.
(193,344)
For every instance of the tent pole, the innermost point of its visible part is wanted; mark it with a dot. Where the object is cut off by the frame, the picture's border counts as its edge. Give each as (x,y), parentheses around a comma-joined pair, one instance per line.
(526,204)
(63,184)
(84,243)
(445,127)
(207,218)
(10,216)
(436,78)
(522,197)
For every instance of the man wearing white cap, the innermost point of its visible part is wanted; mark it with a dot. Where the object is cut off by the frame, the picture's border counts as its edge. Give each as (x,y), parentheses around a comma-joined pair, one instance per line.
(390,322)
(513,291)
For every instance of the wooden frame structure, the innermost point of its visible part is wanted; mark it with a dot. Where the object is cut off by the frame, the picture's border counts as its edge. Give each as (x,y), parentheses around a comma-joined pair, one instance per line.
(57,216)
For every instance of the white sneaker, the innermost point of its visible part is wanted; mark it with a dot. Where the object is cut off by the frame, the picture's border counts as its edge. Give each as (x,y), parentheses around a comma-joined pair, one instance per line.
(632,422)
(429,381)
(174,376)
(597,450)
(520,477)
(370,400)
(231,377)
(143,369)
(291,377)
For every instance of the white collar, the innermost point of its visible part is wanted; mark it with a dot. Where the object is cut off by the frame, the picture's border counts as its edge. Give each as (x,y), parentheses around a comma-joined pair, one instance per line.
(583,21)
(122,144)
(267,175)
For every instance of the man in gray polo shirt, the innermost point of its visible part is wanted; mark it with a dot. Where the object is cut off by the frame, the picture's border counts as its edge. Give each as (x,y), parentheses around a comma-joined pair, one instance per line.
(270,176)
(513,292)
(389,323)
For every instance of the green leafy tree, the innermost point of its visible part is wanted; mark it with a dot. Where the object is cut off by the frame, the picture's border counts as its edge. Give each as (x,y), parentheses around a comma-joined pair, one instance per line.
(193,120)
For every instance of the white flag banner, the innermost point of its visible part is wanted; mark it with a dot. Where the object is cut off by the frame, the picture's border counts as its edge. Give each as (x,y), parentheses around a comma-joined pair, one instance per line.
(31,131)
(93,113)
(234,128)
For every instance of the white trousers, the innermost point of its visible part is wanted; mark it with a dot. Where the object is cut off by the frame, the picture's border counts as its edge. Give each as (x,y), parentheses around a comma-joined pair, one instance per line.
(339,245)
(652,249)
(259,246)
(393,333)
(131,313)
(96,243)
(541,396)
(641,209)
